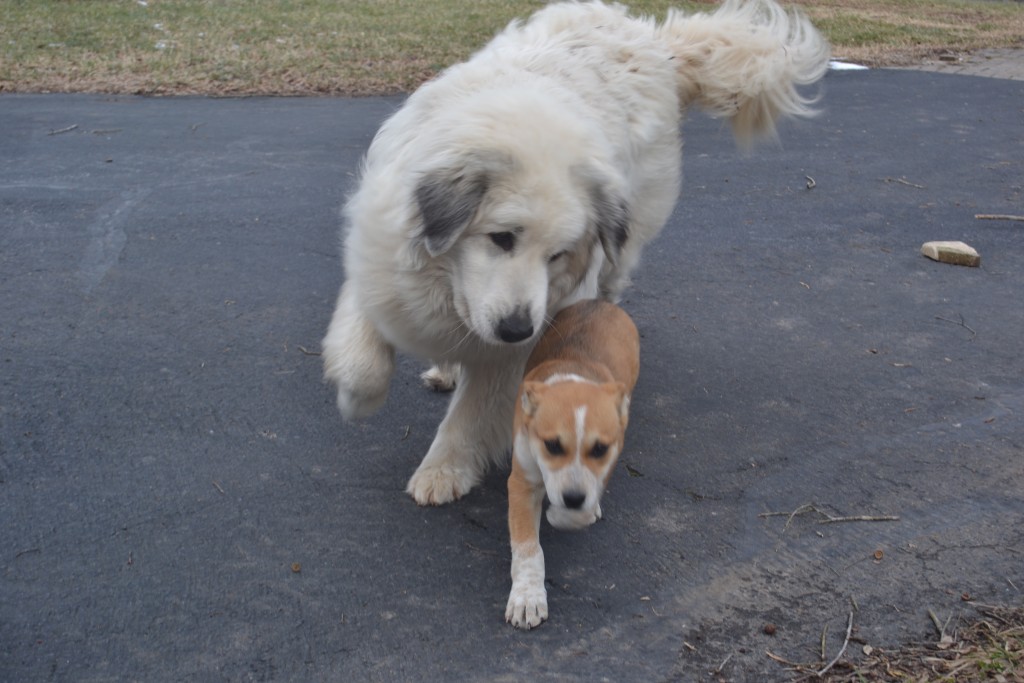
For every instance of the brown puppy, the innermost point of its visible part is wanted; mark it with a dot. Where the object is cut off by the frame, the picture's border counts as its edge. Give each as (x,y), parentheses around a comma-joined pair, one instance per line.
(569,427)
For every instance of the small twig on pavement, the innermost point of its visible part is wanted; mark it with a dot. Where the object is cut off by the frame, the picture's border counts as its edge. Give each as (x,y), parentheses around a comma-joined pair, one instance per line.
(307,352)
(904,181)
(846,642)
(935,622)
(961,323)
(998,217)
(63,130)
(829,519)
(780,660)
(806,507)
(859,518)
(722,665)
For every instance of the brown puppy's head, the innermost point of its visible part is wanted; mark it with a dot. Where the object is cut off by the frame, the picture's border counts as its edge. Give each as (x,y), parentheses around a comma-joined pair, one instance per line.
(574,431)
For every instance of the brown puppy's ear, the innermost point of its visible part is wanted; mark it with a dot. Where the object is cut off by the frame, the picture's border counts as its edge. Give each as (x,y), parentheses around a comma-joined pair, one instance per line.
(621,397)
(531,398)
(449,196)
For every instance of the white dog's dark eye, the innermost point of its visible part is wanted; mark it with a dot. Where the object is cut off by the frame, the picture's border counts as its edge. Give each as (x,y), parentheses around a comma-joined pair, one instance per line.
(598,450)
(506,241)
(557,256)
(554,447)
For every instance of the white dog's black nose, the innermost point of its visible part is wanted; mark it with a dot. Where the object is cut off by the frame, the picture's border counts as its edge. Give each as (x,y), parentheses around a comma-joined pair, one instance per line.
(573,499)
(516,327)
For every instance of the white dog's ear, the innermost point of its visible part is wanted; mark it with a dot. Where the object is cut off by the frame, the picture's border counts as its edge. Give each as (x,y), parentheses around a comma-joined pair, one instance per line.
(610,212)
(612,223)
(448,197)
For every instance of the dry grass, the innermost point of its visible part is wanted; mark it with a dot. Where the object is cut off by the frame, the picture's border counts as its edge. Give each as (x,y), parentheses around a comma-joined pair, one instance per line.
(900,32)
(987,648)
(233,47)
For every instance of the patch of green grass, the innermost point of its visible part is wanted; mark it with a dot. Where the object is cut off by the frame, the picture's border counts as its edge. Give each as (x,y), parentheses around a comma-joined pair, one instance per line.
(854,31)
(374,46)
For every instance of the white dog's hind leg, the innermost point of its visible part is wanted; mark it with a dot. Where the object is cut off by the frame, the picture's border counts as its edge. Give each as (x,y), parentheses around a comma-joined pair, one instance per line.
(356,359)
(442,377)
(476,431)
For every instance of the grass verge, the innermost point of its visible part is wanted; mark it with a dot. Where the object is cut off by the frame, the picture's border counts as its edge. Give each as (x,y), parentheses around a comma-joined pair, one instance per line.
(358,47)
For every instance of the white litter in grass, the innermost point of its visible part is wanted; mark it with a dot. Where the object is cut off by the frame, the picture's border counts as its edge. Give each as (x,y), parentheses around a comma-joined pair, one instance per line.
(836,65)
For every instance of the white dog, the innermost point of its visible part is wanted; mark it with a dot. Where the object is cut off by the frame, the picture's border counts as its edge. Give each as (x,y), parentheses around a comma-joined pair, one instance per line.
(526,179)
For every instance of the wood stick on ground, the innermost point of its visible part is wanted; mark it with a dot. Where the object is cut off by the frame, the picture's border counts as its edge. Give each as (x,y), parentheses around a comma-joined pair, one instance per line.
(936,623)
(846,642)
(780,660)
(806,507)
(961,323)
(829,519)
(904,181)
(998,217)
(860,518)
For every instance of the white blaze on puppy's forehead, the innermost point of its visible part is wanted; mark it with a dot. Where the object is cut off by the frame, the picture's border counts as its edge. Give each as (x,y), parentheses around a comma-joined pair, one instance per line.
(566,377)
(581,424)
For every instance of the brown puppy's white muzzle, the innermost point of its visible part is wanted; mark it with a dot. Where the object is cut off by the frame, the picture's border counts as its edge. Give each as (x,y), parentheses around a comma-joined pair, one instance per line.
(569,519)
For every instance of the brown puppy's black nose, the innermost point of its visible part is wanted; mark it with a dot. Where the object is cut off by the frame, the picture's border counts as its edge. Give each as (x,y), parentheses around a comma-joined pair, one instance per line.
(516,327)
(573,499)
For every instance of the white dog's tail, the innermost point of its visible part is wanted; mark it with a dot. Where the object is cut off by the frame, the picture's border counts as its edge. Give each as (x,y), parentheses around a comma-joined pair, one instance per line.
(744,62)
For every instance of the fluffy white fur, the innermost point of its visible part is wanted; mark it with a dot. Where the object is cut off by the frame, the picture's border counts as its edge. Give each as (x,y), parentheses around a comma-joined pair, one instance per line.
(527,178)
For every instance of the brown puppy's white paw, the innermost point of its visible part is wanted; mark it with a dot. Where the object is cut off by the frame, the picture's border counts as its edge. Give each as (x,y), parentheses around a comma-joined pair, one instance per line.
(527,604)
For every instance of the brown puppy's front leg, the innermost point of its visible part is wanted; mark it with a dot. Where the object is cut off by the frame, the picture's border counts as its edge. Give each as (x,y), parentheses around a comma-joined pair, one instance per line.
(528,602)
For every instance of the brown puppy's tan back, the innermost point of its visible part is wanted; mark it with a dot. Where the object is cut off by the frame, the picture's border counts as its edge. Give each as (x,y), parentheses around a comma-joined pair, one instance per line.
(579,338)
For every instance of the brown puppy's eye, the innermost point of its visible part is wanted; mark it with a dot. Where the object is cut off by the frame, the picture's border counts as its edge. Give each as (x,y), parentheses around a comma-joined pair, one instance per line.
(557,256)
(554,447)
(506,241)
(599,450)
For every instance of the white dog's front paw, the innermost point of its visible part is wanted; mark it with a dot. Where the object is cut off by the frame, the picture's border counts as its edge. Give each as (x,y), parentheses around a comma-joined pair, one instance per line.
(442,377)
(527,604)
(356,359)
(355,404)
(440,484)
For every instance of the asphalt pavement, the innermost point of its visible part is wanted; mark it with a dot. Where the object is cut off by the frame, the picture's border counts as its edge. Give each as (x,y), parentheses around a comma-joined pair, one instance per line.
(181,501)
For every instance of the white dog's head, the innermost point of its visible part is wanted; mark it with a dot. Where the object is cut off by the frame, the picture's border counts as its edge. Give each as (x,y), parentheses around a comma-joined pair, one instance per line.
(515,198)
(572,432)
